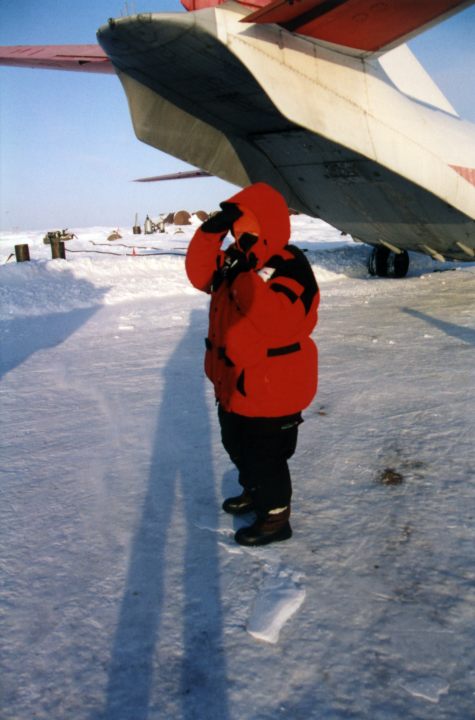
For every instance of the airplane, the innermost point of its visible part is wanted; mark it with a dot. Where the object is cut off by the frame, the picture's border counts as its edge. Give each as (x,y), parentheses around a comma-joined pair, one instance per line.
(322,99)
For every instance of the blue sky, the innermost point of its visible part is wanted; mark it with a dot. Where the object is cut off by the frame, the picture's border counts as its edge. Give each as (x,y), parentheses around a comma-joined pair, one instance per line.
(68,153)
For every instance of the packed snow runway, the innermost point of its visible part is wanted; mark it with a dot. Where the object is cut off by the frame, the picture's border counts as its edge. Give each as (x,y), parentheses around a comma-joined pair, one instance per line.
(124,596)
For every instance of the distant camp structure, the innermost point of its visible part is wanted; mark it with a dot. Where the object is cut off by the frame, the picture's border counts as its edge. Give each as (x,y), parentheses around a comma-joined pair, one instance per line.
(179,217)
(52,235)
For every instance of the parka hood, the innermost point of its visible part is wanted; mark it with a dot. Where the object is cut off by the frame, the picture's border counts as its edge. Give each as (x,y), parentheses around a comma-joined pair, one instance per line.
(272,213)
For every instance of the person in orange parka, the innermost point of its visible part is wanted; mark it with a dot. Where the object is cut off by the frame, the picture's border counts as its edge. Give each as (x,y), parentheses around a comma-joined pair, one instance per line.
(259,353)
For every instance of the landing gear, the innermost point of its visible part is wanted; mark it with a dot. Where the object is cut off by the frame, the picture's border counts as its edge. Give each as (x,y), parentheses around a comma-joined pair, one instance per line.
(384,263)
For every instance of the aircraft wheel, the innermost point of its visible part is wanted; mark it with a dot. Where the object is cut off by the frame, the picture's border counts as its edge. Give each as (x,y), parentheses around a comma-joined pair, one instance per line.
(384,263)
(378,261)
(398,265)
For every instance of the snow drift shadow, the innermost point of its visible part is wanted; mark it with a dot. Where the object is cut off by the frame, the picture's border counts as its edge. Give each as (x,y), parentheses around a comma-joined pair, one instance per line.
(40,310)
(467,335)
(158,669)
(22,337)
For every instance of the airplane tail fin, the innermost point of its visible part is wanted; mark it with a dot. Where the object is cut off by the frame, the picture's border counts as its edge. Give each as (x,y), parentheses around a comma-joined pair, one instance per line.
(408,75)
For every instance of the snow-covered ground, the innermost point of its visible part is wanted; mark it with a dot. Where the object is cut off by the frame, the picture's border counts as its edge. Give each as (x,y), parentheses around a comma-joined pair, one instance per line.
(123,594)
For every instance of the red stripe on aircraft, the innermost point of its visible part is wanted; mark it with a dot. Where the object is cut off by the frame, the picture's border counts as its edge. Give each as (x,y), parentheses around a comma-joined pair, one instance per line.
(467,173)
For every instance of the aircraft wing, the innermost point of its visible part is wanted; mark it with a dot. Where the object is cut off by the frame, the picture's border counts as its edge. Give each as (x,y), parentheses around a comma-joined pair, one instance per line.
(360,24)
(81,58)
(364,25)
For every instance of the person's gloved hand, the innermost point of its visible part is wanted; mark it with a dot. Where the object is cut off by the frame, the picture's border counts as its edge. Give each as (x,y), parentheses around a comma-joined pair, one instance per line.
(237,262)
(222,221)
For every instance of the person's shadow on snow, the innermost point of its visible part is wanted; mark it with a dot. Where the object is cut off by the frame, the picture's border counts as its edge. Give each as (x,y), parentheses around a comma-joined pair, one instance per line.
(158,669)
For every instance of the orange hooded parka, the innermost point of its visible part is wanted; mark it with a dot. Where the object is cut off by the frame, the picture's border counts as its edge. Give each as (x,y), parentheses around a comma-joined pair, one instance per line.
(259,353)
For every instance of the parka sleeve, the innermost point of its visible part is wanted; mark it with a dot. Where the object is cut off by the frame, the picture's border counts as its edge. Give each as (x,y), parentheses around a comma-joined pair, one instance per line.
(202,259)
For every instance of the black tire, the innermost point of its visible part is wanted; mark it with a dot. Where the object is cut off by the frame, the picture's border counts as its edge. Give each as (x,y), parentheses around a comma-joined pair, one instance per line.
(384,263)
(398,265)
(378,262)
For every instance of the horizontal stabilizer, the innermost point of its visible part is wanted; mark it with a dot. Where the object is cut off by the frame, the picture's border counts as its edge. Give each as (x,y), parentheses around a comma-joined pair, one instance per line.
(363,25)
(185,175)
(81,58)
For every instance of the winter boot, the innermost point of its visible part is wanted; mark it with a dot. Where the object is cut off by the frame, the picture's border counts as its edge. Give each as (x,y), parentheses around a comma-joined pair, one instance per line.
(240,504)
(270,527)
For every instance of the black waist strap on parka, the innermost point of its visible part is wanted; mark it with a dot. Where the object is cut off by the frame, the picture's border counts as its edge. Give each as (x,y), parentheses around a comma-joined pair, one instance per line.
(271,352)
(285,350)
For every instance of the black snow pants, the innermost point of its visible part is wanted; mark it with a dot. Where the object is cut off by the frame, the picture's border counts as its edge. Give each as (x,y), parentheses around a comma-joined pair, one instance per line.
(260,449)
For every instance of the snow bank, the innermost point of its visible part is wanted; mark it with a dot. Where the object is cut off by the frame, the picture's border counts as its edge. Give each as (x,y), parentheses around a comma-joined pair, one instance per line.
(98,271)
